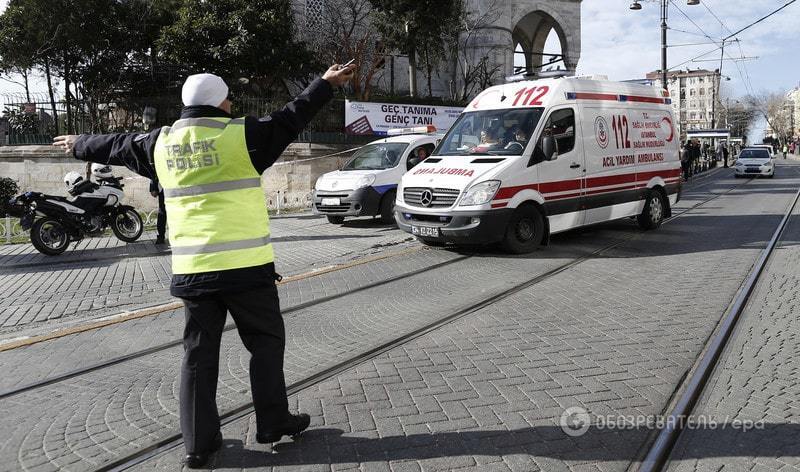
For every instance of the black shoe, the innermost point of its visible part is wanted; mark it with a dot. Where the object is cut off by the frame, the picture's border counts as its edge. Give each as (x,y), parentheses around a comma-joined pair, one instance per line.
(196,460)
(294,425)
(160,240)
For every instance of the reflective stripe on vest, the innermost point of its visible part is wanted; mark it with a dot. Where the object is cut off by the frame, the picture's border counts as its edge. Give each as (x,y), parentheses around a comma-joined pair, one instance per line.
(216,210)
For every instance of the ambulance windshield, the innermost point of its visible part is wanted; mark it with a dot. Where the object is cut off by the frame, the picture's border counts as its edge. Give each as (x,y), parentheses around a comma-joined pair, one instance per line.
(376,156)
(490,132)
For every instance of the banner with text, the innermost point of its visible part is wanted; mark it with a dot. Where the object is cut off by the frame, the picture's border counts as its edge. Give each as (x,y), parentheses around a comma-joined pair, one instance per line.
(365,118)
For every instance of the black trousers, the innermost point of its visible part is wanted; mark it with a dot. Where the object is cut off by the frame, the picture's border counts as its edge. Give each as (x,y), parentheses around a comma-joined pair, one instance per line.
(685,165)
(258,318)
(161,221)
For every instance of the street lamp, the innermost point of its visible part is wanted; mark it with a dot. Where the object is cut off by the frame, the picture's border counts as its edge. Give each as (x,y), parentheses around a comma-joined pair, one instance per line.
(664,8)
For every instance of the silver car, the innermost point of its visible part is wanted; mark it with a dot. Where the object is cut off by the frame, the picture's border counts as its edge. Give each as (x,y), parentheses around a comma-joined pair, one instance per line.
(754,161)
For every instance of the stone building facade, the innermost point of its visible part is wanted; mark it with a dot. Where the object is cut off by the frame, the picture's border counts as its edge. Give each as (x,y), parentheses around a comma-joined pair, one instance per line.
(692,93)
(501,28)
(793,104)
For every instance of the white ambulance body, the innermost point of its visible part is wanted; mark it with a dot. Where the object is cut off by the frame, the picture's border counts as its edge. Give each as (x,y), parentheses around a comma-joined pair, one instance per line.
(600,151)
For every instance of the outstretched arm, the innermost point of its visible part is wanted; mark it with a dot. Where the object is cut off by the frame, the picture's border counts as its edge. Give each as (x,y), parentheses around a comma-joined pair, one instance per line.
(132,150)
(269,136)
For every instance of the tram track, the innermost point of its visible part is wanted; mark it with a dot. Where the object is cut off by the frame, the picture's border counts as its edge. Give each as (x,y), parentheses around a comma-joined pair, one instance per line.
(295,308)
(689,392)
(175,440)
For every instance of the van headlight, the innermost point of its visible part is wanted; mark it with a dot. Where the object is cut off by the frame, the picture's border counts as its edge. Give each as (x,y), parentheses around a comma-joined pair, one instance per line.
(480,193)
(364,181)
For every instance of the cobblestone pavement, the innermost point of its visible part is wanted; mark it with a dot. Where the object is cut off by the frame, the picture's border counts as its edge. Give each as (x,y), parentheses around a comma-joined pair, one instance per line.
(757,381)
(613,335)
(103,276)
(642,314)
(34,363)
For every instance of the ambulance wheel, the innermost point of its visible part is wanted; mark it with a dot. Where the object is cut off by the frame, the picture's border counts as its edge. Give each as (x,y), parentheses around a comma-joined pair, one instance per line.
(525,231)
(335,219)
(653,213)
(387,207)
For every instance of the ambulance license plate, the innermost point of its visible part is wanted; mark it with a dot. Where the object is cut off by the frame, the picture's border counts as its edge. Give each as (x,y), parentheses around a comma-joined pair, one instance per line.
(427,231)
(331,202)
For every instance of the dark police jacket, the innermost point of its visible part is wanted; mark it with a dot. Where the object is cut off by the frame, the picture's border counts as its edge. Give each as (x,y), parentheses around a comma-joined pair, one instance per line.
(266,138)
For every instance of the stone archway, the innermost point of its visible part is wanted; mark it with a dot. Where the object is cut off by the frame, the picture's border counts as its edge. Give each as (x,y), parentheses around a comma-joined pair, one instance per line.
(532,24)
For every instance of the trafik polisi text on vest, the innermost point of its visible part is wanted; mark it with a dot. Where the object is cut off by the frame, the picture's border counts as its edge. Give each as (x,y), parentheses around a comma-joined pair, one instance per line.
(192,155)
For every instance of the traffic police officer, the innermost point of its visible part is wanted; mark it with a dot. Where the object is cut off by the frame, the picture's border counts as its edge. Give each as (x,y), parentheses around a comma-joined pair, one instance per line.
(209,165)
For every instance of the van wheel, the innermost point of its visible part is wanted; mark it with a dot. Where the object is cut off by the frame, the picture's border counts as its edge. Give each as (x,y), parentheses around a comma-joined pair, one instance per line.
(387,207)
(335,219)
(525,231)
(653,213)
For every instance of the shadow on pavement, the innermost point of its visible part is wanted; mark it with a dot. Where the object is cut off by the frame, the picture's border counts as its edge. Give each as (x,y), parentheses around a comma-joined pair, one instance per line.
(139,249)
(331,446)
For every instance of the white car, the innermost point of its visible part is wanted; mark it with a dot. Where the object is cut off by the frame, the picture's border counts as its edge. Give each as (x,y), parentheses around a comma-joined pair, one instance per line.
(754,161)
(768,147)
(367,184)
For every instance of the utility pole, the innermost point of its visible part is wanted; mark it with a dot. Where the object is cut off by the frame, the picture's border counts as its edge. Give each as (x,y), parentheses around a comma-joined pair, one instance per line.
(664,7)
(664,13)
(412,67)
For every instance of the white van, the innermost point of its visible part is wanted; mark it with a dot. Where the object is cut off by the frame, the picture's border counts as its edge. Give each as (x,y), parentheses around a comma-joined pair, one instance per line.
(367,184)
(529,159)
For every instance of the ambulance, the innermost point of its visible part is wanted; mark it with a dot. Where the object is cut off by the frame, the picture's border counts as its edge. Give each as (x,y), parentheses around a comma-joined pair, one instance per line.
(366,185)
(529,159)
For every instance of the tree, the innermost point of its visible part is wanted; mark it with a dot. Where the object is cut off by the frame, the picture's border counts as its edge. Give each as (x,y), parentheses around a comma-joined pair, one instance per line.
(409,26)
(475,68)
(775,110)
(345,31)
(250,39)
(24,32)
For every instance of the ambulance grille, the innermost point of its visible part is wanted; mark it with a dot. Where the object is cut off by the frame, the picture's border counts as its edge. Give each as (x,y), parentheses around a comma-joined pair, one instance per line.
(440,197)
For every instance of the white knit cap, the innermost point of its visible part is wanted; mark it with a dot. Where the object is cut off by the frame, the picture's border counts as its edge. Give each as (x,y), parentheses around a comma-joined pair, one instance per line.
(204,89)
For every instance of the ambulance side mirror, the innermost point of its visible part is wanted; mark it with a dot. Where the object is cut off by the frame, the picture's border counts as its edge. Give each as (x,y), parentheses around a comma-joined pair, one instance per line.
(412,162)
(549,148)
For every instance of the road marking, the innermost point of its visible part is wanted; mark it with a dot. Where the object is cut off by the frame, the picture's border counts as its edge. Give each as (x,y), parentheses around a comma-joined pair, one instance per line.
(157,309)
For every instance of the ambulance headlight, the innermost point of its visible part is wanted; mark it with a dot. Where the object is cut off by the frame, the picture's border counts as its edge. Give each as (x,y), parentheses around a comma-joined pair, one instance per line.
(480,193)
(365,181)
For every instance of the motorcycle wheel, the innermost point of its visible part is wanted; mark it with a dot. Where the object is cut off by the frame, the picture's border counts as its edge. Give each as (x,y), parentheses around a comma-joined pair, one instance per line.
(49,236)
(127,225)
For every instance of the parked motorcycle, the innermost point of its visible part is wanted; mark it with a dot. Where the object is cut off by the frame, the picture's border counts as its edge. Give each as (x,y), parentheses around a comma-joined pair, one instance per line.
(55,221)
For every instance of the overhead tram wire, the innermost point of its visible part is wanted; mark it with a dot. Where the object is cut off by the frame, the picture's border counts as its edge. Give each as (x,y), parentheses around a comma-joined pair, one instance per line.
(746,76)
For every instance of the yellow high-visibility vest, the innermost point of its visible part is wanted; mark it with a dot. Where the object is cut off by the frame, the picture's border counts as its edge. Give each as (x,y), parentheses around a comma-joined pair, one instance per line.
(216,211)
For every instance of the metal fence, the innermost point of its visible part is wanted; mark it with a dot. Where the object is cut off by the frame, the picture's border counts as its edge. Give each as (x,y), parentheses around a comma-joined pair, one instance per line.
(34,120)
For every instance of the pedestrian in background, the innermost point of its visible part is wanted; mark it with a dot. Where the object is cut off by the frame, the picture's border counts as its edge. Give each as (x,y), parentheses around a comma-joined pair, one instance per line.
(725,153)
(785,150)
(684,156)
(161,222)
(209,165)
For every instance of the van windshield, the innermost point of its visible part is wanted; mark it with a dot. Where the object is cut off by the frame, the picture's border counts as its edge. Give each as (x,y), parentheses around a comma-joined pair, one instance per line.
(490,132)
(376,156)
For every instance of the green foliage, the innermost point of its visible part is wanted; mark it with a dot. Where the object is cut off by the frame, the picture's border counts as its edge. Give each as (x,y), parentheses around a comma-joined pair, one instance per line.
(21,122)
(251,39)
(426,27)
(8,189)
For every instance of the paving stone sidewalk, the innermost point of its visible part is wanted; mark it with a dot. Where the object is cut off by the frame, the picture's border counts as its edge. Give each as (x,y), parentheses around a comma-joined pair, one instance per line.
(614,335)
(757,381)
(33,363)
(90,419)
(103,276)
